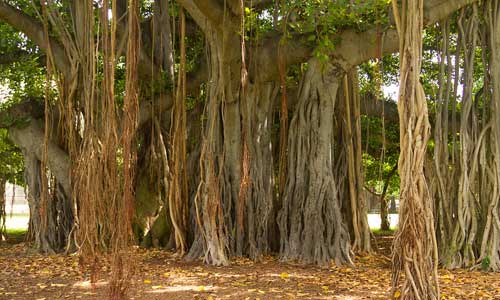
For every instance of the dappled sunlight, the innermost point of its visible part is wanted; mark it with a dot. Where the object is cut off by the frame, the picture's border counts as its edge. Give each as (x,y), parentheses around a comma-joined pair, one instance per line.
(87,285)
(181,288)
(250,150)
(161,275)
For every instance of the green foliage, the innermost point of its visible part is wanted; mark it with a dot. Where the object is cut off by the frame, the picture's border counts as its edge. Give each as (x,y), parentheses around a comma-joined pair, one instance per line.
(485,263)
(323,19)
(24,76)
(257,23)
(11,160)
(376,171)
(378,166)
(374,74)
(380,232)
(330,16)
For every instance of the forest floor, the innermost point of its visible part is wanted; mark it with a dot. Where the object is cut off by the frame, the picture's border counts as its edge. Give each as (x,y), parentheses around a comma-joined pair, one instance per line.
(160,275)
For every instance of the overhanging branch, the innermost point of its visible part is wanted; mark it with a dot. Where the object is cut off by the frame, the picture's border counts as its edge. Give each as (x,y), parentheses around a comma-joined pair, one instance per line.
(212,10)
(34,31)
(354,48)
(209,12)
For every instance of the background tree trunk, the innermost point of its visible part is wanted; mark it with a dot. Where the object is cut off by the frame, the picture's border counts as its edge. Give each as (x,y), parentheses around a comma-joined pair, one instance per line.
(384,209)
(50,223)
(3,229)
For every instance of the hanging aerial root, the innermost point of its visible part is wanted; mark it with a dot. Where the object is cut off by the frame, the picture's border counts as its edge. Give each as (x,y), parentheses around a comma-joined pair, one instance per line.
(352,133)
(3,229)
(122,267)
(414,248)
(489,256)
(178,193)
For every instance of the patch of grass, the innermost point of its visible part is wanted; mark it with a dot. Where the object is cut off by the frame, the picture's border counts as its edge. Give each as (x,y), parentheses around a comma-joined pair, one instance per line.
(485,263)
(16,231)
(16,235)
(16,215)
(378,231)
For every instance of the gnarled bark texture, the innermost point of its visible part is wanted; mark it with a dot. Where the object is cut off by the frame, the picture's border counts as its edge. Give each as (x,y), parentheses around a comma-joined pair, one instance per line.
(259,208)
(51,223)
(415,249)
(310,220)
(490,243)
(220,154)
(467,228)
(349,165)
(3,229)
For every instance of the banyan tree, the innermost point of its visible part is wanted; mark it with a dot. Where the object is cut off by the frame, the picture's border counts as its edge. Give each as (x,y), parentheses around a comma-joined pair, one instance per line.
(233,128)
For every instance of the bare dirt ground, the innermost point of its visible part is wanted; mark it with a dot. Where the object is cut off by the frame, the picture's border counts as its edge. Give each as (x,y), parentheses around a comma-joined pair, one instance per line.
(160,275)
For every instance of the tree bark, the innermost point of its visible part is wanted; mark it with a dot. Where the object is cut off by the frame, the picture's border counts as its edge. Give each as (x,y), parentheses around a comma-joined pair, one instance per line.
(50,223)
(349,142)
(3,229)
(259,216)
(220,155)
(30,140)
(310,220)
(384,210)
(490,242)
(415,249)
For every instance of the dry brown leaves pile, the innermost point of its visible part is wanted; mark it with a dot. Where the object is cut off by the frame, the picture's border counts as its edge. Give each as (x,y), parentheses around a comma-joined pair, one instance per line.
(160,275)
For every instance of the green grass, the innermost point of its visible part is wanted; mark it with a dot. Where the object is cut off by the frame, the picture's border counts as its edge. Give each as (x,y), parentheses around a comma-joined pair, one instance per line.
(15,215)
(16,235)
(378,231)
(16,231)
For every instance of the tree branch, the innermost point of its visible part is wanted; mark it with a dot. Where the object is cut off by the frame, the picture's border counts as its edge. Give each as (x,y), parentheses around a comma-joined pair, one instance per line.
(209,12)
(369,190)
(30,139)
(354,48)
(259,4)
(212,10)
(24,123)
(27,109)
(34,30)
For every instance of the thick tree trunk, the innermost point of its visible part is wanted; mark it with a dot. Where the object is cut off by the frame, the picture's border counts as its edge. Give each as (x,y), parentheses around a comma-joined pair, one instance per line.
(310,220)
(468,229)
(259,210)
(51,222)
(385,225)
(459,223)
(445,188)
(220,155)
(152,224)
(235,195)
(30,140)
